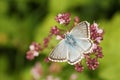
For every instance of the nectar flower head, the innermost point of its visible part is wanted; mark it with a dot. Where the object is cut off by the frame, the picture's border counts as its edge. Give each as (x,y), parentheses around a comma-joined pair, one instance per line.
(92,63)
(54,30)
(76,20)
(96,33)
(37,71)
(97,50)
(46,59)
(35,46)
(79,67)
(34,51)
(31,54)
(63,18)
(45,42)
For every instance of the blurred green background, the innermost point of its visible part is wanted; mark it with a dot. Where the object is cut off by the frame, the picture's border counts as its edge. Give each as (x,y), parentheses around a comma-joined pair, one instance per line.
(24,21)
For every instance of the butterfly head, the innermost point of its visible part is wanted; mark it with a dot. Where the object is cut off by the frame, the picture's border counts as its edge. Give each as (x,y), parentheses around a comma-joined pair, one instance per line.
(67,34)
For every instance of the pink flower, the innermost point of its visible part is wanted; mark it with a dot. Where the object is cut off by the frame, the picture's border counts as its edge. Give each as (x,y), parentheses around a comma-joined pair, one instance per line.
(97,50)
(37,71)
(31,54)
(92,63)
(45,42)
(54,30)
(46,59)
(79,67)
(98,39)
(73,76)
(95,46)
(99,55)
(63,18)
(34,51)
(76,19)
(100,31)
(35,46)
(96,33)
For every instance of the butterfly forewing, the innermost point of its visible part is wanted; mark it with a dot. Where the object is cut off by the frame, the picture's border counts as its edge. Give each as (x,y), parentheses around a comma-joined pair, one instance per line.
(59,54)
(81,30)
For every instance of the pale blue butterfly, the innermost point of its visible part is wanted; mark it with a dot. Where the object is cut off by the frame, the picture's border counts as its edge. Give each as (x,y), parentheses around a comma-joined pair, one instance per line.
(72,48)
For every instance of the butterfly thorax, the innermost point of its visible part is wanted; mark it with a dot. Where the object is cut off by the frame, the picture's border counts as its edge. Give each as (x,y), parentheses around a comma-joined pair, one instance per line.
(69,39)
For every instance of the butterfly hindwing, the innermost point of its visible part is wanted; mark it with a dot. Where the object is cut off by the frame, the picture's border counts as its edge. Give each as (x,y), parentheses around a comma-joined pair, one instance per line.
(85,44)
(75,54)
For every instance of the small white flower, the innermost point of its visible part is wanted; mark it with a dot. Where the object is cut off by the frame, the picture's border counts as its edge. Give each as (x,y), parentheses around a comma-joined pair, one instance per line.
(61,21)
(96,26)
(32,47)
(59,15)
(94,46)
(58,37)
(100,31)
(35,53)
(98,39)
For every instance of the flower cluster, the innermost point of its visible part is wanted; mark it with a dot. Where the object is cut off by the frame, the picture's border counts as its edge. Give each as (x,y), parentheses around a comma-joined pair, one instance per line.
(54,30)
(34,50)
(57,32)
(92,63)
(97,50)
(63,18)
(37,71)
(79,67)
(96,35)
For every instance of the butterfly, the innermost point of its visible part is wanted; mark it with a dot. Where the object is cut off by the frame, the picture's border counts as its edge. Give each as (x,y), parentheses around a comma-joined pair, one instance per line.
(72,48)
